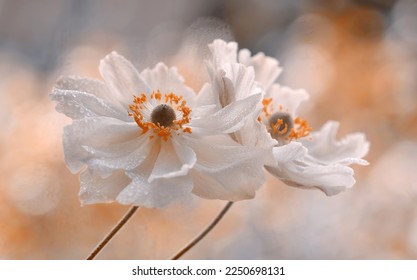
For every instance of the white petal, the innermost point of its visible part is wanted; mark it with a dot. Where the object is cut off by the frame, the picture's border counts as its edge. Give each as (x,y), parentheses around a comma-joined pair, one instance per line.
(326,149)
(255,134)
(122,78)
(295,168)
(222,88)
(207,97)
(159,193)
(174,159)
(95,87)
(242,80)
(124,155)
(95,189)
(77,105)
(233,82)
(202,111)
(287,98)
(222,53)
(98,132)
(155,193)
(228,171)
(266,67)
(168,80)
(228,119)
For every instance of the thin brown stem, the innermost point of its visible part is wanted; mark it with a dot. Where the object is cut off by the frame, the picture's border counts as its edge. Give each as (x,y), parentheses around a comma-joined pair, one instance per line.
(113,232)
(204,232)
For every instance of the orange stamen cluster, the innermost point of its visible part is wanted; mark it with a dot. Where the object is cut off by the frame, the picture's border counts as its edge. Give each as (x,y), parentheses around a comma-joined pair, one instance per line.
(171,99)
(301,129)
(267,107)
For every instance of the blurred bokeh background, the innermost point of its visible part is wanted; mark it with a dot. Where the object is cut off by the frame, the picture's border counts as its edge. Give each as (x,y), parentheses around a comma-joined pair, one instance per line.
(357,59)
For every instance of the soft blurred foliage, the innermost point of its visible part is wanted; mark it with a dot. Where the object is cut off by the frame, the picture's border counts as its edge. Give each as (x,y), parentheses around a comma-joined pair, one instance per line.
(356,58)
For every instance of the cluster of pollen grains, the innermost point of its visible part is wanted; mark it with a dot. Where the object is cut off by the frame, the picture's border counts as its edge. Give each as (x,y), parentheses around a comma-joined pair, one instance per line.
(281,124)
(163,117)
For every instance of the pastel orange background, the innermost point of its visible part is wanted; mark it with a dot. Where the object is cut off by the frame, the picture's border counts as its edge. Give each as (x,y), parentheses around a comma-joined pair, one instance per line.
(357,59)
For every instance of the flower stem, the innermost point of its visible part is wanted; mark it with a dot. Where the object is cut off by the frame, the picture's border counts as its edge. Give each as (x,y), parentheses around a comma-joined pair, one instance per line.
(113,232)
(204,232)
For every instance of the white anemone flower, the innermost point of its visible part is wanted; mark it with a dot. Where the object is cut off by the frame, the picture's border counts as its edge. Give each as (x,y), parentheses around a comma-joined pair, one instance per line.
(302,158)
(309,159)
(230,82)
(321,161)
(141,138)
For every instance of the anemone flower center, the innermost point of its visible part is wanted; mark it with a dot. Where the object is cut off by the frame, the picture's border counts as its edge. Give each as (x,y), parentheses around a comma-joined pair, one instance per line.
(281,124)
(162,114)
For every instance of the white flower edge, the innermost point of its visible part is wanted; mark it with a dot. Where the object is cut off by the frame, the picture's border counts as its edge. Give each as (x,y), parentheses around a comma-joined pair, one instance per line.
(266,68)
(324,146)
(324,164)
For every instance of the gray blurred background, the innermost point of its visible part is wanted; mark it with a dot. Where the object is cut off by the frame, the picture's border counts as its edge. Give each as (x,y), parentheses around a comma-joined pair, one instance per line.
(357,59)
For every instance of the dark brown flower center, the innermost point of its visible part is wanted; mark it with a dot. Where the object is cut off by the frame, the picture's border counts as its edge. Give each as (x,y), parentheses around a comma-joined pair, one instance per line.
(163,115)
(281,124)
